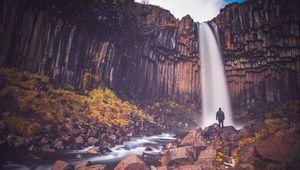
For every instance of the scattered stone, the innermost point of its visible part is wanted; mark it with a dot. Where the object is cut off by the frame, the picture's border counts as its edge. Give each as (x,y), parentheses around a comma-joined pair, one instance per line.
(61,165)
(112,137)
(79,140)
(193,138)
(92,141)
(58,144)
(132,162)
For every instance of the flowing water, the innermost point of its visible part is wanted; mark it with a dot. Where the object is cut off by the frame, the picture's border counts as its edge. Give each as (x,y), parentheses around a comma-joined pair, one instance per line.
(150,147)
(213,82)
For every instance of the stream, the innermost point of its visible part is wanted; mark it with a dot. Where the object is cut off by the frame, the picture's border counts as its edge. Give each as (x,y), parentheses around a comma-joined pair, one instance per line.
(150,147)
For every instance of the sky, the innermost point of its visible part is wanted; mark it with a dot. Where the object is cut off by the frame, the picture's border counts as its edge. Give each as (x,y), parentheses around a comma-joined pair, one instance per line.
(199,10)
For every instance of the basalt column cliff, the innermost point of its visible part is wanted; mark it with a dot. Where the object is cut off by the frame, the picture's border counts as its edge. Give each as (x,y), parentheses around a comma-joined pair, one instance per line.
(261,49)
(145,52)
(140,50)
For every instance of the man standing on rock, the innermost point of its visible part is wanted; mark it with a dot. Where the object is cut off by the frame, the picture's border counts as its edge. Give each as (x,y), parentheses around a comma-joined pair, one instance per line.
(220,117)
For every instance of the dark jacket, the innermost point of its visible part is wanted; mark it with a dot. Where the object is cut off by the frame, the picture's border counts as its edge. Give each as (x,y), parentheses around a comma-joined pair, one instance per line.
(220,115)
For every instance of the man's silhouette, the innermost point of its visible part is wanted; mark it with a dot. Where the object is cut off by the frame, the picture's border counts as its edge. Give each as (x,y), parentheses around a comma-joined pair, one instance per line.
(220,117)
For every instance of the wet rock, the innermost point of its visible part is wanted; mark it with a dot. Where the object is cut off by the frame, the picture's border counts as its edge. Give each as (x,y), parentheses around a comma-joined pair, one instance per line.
(61,165)
(79,140)
(193,138)
(92,141)
(131,162)
(181,155)
(207,158)
(169,146)
(78,156)
(82,165)
(92,151)
(278,146)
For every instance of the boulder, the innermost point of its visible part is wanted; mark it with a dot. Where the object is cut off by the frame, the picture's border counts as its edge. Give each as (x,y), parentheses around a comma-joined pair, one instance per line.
(246,131)
(58,144)
(193,138)
(61,165)
(92,151)
(131,162)
(278,146)
(92,141)
(189,167)
(248,154)
(228,133)
(96,167)
(169,146)
(91,133)
(207,159)
(82,165)
(79,140)
(181,155)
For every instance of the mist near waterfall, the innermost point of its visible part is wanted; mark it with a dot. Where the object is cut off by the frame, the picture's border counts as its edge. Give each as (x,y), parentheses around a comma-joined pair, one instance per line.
(213,82)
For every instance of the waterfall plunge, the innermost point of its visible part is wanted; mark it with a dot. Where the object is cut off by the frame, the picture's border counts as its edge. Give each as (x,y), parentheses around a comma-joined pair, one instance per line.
(213,81)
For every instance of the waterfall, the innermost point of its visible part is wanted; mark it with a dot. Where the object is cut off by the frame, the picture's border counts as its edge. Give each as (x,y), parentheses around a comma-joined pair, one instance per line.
(213,82)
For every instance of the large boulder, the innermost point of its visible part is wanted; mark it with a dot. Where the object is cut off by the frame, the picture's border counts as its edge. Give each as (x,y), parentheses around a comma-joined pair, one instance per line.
(193,138)
(207,159)
(61,165)
(131,162)
(228,133)
(188,167)
(96,167)
(278,146)
(246,131)
(181,155)
(82,165)
(248,154)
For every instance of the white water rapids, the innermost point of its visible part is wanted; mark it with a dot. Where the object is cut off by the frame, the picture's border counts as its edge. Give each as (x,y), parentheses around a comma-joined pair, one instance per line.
(213,82)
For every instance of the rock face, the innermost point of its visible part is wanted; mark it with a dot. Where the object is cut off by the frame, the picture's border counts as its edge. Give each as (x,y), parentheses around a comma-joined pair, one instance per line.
(279,146)
(261,48)
(129,47)
(144,52)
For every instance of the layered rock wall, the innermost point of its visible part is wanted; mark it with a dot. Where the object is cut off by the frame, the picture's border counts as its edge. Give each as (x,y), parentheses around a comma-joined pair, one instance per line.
(261,49)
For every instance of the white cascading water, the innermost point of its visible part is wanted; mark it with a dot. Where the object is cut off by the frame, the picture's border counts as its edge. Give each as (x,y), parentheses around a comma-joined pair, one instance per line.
(213,82)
